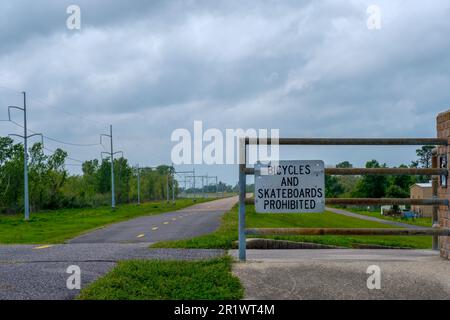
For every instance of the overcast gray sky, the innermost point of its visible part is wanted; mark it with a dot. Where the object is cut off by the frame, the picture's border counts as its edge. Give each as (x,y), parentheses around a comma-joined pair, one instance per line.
(308,68)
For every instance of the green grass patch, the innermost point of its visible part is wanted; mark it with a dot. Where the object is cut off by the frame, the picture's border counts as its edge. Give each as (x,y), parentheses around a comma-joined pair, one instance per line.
(56,226)
(423,222)
(167,280)
(227,234)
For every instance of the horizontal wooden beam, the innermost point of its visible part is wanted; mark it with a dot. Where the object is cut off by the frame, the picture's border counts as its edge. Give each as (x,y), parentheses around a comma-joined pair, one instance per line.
(387,171)
(377,171)
(386,201)
(348,141)
(348,231)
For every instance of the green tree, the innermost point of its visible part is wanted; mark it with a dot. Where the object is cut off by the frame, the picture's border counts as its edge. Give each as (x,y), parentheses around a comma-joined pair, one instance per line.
(372,186)
(333,187)
(403,182)
(424,155)
(344,164)
(122,175)
(394,191)
(11,175)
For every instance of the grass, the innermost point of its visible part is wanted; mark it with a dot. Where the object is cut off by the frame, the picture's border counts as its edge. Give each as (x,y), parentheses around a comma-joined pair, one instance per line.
(423,222)
(227,234)
(56,226)
(167,280)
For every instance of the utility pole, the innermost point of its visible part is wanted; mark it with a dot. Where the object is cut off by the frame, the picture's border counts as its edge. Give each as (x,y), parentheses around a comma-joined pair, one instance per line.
(167,187)
(173,190)
(179,173)
(203,187)
(173,184)
(111,156)
(194,183)
(138,185)
(217,189)
(25,137)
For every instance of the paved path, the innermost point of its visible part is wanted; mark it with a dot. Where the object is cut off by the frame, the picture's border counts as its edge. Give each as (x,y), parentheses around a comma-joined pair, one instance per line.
(341,274)
(369,218)
(186,223)
(39,271)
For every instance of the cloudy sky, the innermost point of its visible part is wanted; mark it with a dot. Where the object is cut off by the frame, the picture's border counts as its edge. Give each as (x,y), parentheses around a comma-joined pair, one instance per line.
(308,68)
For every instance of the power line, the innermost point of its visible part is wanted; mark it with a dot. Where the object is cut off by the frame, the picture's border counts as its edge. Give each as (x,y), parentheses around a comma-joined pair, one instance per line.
(70,158)
(46,104)
(59,141)
(53,151)
(56,140)
(73,164)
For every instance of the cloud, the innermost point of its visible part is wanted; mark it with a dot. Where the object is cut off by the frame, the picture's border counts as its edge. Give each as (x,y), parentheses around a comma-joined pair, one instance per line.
(309,68)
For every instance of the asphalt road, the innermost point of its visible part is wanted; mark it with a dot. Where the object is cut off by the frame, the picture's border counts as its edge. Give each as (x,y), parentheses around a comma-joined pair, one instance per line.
(39,271)
(341,274)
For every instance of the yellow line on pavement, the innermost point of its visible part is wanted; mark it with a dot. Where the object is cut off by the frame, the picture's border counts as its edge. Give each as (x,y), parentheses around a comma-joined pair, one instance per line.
(174,219)
(166,222)
(155,228)
(140,235)
(43,247)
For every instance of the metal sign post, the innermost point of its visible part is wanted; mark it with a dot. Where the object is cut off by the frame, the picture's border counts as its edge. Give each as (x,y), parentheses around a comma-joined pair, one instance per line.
(242,193)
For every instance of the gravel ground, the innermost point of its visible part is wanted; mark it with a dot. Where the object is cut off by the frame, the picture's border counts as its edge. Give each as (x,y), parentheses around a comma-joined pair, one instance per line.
(341,274)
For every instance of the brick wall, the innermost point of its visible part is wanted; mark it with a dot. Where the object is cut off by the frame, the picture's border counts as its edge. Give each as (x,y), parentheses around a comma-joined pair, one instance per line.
(443,131)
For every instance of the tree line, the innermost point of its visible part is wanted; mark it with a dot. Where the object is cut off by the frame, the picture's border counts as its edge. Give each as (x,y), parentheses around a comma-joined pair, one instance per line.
(378,186)
(52,187)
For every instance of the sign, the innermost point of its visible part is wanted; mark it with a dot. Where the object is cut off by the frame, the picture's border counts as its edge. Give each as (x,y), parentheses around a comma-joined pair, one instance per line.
(290,187)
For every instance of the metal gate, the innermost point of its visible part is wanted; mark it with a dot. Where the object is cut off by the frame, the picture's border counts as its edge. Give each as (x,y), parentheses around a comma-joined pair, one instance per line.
(435,172)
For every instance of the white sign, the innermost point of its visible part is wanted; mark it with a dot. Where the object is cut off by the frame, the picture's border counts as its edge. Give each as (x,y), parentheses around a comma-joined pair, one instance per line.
(290,187)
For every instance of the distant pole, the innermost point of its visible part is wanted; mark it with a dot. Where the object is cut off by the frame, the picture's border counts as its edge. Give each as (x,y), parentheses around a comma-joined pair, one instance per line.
(167,187)
(138,185)
(173,190)
(203,187)
(113,196)
(194,184)
(111,155)
(173,184)
(217,189)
